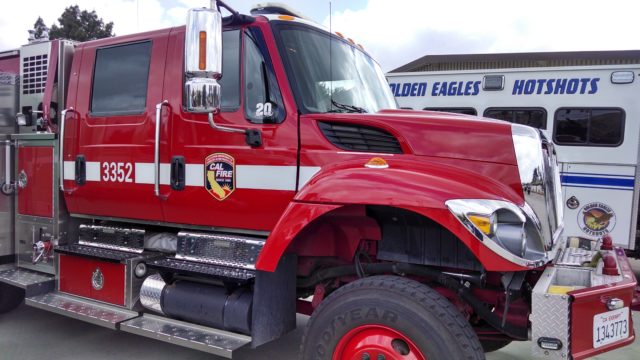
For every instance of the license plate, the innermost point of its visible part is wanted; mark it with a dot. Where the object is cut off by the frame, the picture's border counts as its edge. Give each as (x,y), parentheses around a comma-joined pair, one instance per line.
(610,327)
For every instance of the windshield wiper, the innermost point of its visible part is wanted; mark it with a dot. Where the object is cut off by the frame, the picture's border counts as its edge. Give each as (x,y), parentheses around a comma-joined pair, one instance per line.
(348,108)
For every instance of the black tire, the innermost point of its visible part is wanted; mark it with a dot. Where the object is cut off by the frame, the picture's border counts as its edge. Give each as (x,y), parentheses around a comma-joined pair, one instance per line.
(435,327)
(10,297)
(493,345)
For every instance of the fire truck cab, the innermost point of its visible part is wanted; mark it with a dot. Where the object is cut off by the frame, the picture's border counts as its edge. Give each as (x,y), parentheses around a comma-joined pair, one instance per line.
(201,185)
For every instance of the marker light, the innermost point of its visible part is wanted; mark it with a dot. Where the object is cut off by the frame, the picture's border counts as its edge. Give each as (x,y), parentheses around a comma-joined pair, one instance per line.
(339,34)
(376,163)
(493,82)
(202,63)
(484,223)
(622,77)
(286,17)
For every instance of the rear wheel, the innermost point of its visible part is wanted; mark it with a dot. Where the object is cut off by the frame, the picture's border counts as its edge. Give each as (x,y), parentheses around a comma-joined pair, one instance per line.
(10,297)
(388,318)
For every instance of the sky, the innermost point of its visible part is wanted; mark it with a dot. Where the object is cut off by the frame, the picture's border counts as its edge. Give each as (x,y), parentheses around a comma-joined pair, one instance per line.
(393,32)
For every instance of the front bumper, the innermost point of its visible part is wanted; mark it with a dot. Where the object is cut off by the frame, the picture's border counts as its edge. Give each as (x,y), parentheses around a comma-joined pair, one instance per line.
(579,309)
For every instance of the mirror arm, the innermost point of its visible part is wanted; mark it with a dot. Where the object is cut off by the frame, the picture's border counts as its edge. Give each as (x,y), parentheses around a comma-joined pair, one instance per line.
(253,137)
(222,128)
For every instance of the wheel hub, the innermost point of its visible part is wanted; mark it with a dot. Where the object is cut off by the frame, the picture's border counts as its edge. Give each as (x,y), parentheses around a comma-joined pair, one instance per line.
(376,342)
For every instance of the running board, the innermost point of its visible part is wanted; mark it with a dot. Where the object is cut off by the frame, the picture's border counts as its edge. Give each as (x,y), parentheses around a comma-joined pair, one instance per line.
(82,309)
(32,282)
(213,341)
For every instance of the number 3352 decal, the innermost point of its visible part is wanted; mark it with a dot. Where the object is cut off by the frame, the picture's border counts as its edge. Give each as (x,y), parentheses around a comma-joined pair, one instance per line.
(117,172)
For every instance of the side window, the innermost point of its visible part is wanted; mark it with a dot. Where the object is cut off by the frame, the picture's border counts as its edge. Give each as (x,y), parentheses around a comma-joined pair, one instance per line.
(589,127)
(230,81)
(263,101)
(466,111)
(120,79)
(534,117)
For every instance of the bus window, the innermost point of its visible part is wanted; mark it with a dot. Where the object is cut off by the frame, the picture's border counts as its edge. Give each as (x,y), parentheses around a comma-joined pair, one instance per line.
(534,117)
(589,127)
(466,111)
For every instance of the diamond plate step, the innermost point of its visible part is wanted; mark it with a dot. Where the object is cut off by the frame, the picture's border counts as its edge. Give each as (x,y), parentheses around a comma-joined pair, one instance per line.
(82,309)
(217,342)
(219,249)
(33,282)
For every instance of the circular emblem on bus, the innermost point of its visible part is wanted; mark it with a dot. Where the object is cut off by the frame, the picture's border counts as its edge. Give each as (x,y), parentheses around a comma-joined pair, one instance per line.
(596,219)
(97,279)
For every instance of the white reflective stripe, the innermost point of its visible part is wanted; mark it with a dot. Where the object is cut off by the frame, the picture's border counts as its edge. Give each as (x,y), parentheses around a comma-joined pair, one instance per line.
(306,173)
(93,171)
(260,177)
(264,177)
(144,173)
(69,170)
(194,174)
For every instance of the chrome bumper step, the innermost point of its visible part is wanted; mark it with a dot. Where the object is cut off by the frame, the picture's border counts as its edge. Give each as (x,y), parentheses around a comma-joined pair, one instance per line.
(82,309)
(33,282)
(213,341)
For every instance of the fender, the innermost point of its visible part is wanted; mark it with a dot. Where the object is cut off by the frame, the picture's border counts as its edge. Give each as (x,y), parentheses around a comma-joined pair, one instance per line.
(422,187)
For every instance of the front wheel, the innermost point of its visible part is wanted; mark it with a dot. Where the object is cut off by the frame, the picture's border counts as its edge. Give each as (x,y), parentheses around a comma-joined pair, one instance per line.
(388,318)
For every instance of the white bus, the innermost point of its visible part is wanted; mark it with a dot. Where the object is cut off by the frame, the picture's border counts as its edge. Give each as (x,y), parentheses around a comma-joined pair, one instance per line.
(587,103)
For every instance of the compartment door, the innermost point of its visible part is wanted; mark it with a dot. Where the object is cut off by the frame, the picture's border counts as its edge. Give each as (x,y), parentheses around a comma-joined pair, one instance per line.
(35,181)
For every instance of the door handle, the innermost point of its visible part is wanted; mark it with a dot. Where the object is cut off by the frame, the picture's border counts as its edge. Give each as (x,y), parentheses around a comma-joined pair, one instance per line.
(178,173)
(156,153)
(63,120)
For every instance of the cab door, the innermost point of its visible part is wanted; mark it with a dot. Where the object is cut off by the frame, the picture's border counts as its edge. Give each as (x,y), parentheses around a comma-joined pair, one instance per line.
(110,155)
(228,183)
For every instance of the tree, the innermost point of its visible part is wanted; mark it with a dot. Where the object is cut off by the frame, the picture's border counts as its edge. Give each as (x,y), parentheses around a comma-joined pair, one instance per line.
(40,30)
(80,26)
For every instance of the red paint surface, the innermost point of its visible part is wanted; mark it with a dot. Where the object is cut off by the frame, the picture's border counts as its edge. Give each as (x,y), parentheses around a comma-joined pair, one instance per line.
(591,301)
(48,90)
(76,273)
(10,64)
(36,199)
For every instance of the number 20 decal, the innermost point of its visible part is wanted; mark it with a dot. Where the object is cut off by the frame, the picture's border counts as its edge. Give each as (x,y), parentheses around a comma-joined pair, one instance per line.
(264,109)
(117,172)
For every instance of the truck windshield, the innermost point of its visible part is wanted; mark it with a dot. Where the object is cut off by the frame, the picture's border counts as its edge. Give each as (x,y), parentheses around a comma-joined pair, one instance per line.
(330,75)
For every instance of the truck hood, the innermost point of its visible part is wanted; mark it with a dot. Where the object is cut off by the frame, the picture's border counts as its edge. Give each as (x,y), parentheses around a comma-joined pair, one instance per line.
(440,134)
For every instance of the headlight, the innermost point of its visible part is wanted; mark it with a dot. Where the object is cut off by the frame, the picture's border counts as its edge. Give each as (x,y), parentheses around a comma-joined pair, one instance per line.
(505,228)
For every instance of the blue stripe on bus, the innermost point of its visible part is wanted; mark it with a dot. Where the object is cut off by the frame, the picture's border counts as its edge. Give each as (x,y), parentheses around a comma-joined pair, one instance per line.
(593,174)
(588,180)
(597,187)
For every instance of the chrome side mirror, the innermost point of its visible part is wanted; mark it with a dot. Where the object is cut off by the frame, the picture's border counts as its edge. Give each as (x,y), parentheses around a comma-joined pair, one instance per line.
(203,60)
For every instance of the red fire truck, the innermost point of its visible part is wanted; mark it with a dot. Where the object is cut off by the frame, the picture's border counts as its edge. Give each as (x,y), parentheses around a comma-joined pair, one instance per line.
(202,185)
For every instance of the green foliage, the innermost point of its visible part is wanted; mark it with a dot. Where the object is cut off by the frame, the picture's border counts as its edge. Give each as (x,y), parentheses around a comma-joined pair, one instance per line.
(80,25)
(40,30)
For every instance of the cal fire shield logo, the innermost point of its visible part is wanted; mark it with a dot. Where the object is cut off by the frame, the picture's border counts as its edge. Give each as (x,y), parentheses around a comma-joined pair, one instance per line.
(220,175)
(596,219)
